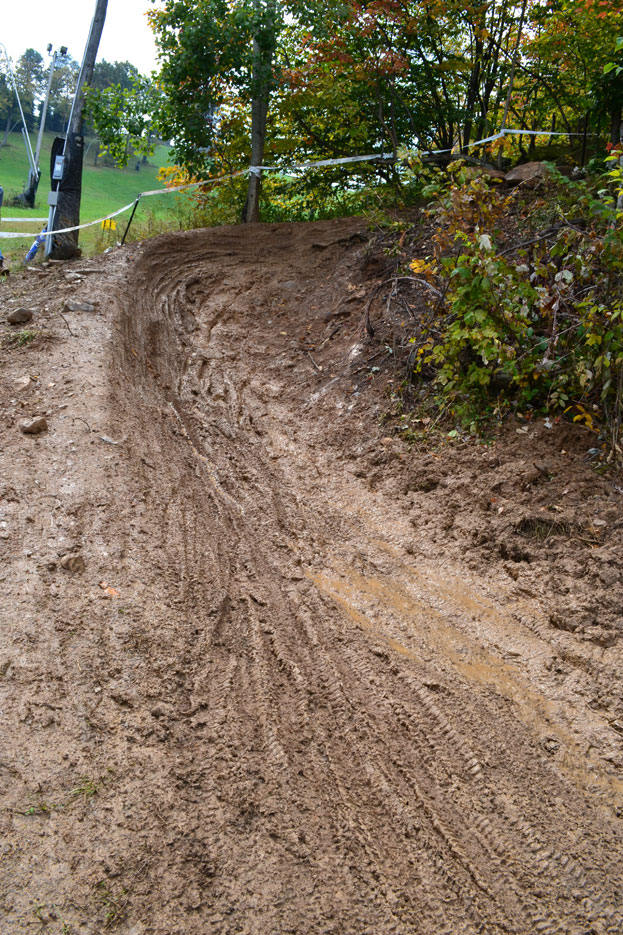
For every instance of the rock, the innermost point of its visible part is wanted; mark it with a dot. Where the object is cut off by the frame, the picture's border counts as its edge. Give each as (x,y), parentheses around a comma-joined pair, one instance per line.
(21,385)
(550,744)
(71,306)
(34,426)
(528,172)
(18,316)
(73,562)
(542,467)
(563,622)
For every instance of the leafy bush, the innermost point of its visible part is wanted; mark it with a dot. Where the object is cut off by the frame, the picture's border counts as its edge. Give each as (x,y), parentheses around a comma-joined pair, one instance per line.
(531,318)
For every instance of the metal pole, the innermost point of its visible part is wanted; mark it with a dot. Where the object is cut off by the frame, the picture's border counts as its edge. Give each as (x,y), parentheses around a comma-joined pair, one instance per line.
(29,151)
(45,111)
(125,233)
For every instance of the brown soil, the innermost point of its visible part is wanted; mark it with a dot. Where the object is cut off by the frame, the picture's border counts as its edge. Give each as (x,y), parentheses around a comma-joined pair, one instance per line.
(293,677)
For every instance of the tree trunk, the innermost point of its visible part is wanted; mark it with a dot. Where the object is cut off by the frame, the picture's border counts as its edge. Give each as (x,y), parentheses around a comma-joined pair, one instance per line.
(259,111)
(67,213)
(261,80)
(620,195)
(7,129)
(615,125)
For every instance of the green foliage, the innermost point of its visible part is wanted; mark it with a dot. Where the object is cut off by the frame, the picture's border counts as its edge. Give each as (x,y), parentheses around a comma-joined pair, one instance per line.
(538,326)
(123,117)
(216,56)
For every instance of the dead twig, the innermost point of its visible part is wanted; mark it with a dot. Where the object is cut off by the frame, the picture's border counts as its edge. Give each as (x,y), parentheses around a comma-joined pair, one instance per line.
(319,369)
(80,419)
(67,323)
(544,236)
(394,280)
(326,340)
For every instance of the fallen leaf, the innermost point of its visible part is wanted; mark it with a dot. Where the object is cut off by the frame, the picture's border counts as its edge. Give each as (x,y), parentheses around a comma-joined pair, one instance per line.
(108,590)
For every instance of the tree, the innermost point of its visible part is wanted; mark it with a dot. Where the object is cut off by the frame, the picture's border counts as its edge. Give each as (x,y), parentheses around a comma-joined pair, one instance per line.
(62,92)
(109,74)
(30,81)
(7,101)
(214,51)
(568,49)
(124,116)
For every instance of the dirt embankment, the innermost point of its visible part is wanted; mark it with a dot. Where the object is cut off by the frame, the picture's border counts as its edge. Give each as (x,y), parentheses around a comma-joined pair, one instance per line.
(264,669)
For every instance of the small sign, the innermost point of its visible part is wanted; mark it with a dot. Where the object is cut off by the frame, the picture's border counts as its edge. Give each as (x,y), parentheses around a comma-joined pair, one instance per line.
(58,173)
(109,225)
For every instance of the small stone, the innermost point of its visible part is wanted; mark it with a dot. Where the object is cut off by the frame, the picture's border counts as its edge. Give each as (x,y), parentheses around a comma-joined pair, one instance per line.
(22,384)
(563,622)
(19,316)
(34,426)
(73,562)
(550,744)
(71,306)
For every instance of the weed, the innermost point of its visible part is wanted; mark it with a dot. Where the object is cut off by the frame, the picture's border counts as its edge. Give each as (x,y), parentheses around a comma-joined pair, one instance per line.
(114,903)
(87,789)
(40,808)
(19,338)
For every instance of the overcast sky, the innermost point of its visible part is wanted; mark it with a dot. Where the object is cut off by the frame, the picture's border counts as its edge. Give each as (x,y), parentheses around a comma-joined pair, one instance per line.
(33,23)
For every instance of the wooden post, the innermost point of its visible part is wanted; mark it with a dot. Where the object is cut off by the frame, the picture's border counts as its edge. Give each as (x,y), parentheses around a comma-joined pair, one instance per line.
(67,213)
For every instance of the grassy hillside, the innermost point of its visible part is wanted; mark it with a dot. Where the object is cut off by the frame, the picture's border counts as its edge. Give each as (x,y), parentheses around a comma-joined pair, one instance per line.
(104,190)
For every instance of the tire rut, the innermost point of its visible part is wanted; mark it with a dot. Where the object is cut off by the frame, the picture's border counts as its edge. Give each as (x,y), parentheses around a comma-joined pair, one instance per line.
(304,730)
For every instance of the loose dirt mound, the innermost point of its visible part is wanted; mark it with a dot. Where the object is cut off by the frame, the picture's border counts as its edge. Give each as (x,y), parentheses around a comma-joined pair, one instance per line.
(263,669)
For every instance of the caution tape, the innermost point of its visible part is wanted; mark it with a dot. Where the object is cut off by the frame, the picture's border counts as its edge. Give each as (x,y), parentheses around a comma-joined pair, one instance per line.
(257,171)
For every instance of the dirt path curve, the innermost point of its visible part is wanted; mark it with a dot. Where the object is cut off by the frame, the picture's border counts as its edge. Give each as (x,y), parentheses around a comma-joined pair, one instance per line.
(265,707)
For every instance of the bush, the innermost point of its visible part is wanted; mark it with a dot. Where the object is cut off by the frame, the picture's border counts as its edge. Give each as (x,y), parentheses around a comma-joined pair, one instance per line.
(532,315)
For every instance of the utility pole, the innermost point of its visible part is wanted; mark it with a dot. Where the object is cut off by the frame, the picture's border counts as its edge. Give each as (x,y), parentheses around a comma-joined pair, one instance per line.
(67,164)
(34,176)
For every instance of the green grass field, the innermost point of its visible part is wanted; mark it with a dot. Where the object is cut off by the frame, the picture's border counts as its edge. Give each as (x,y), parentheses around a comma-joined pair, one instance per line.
(104,190)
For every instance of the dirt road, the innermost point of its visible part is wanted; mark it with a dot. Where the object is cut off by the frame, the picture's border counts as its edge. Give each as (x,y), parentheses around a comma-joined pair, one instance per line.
(272,701)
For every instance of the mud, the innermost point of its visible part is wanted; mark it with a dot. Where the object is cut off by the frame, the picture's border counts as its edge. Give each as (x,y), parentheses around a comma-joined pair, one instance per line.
(266,669)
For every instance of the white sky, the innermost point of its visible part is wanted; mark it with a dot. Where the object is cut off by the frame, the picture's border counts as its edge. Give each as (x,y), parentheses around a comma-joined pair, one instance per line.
(33,23)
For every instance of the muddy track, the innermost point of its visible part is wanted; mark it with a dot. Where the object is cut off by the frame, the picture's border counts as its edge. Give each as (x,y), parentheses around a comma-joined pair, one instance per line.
(299,726)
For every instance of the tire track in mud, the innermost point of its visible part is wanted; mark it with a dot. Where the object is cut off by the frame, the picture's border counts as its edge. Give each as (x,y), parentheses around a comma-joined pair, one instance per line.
(300,729)
(335,793)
